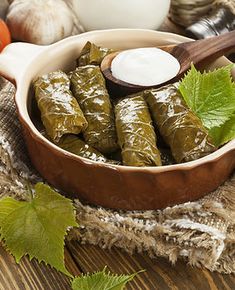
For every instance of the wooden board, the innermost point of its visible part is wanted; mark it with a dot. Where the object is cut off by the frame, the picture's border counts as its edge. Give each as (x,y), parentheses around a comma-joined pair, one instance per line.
(159,274)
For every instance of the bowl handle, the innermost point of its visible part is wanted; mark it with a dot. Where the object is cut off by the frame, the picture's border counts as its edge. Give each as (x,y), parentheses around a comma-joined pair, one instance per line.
(15,58)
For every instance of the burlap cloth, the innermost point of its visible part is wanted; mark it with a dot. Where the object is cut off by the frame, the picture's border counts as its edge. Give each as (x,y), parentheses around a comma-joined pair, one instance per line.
(202,232)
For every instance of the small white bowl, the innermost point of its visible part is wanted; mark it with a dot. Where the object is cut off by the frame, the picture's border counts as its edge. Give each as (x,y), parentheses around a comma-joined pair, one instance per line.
(105,14)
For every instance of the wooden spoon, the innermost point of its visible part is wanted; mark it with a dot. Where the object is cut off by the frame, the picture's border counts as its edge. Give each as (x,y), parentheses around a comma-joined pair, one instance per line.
(199,52)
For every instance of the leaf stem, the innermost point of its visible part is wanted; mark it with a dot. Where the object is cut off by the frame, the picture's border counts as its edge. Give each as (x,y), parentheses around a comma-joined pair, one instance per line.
(29,189)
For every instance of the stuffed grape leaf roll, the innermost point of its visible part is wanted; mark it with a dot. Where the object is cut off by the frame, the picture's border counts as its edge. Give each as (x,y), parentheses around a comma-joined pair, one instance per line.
(73,144)
(136,135)
(60,111)
(181,129)
(88,86)
(92,54)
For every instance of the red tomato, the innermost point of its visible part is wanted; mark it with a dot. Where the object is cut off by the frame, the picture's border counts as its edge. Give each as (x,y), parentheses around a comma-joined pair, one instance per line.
(5,37)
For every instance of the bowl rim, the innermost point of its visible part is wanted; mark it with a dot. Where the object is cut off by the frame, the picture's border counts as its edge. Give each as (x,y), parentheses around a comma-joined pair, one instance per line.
(22,88)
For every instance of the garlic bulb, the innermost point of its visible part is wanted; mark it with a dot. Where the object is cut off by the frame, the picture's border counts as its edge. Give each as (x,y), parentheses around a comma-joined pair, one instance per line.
(39,21)
(74,7)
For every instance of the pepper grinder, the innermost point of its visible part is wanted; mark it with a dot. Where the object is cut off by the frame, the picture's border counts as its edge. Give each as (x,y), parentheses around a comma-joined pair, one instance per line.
(219,21)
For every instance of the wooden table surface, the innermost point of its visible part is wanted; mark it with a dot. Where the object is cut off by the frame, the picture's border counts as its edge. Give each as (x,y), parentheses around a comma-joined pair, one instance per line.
(79,258)
(159,274)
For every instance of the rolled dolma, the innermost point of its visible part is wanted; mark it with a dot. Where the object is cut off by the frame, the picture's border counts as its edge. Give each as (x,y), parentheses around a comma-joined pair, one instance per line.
(88,86)
(75,145)
(136,135)
(60,111)
(92,54)
(181,129)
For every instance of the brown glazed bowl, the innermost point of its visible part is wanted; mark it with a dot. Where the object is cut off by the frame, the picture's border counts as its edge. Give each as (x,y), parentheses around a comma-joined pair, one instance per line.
(107,185)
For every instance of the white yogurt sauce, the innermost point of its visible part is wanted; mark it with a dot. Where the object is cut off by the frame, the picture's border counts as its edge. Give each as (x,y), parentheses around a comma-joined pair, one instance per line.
(145,66)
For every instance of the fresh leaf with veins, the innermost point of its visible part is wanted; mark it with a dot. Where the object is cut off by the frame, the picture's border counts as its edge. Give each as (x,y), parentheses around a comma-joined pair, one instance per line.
(225,133)
(37,227)
(102,281)
(211,96)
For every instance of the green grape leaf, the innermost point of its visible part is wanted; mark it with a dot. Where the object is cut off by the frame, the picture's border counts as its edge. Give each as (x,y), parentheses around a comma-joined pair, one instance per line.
(210,95)
(37,227)
(102,281)
(225,133)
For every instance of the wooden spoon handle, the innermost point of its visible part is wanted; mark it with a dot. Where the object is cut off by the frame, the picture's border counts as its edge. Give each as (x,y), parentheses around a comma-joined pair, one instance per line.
(205,50)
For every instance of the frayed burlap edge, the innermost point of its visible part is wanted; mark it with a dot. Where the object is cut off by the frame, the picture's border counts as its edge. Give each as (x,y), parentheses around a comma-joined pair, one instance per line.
(202,232)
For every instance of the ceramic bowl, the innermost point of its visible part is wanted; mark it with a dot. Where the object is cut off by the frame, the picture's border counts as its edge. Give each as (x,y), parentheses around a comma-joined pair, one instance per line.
(106,14)
(107,185)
